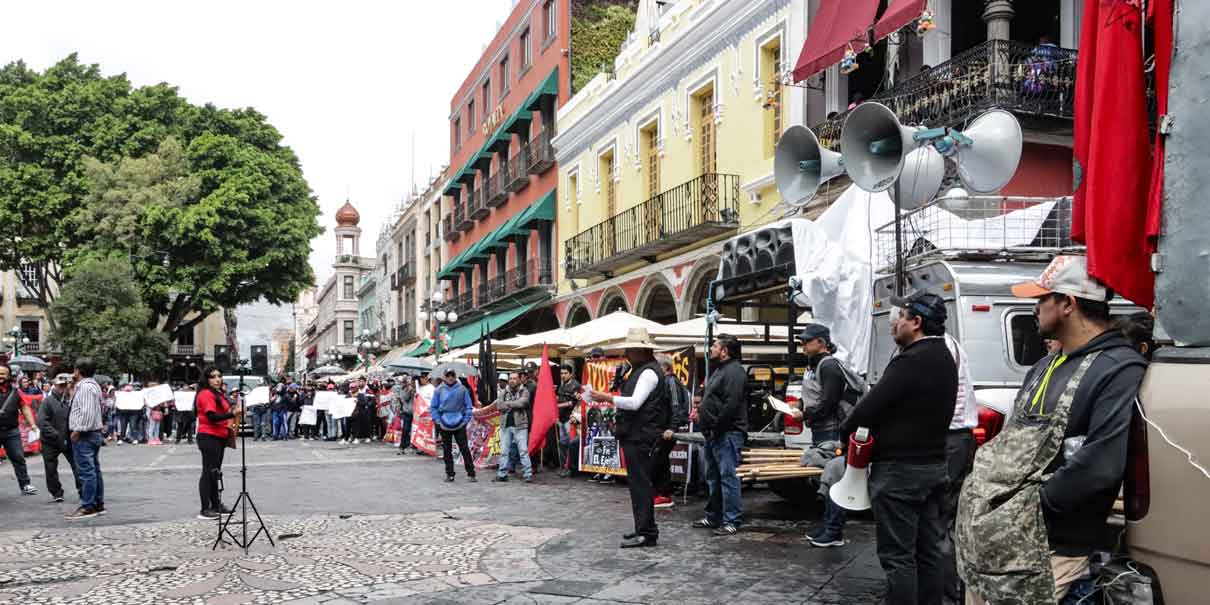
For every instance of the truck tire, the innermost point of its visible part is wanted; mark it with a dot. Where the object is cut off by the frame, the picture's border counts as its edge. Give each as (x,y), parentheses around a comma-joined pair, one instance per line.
(801,492)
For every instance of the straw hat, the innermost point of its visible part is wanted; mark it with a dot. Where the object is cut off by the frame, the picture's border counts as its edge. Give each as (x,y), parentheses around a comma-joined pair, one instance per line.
(636,338)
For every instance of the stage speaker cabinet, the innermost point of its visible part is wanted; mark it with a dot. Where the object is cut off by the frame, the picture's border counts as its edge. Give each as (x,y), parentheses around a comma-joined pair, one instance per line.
(260,360)
(774,258)
(222,358)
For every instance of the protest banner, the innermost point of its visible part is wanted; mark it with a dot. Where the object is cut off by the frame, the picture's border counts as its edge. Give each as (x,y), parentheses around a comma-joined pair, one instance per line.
(184,400)
(423,436)
(160,393)
(128,401)
(483,439)
(309,417)
(257,396)
(600,451)
(342,408)
(325,398)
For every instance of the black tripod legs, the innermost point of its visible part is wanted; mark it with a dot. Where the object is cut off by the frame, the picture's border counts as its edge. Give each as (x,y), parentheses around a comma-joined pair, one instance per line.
(243,541)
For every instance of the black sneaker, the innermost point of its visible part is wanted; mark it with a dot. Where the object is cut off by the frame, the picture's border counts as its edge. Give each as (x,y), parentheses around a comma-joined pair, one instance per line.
(208,515)
(827,540)
(703,523)
(472,479)
(607,479)
(500,479)
(725,529)
(449,479)
(594,478)
(55,499)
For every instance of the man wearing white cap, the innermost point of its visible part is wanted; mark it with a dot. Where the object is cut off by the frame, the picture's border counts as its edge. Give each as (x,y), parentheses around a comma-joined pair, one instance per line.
(52,421)
(1034,507)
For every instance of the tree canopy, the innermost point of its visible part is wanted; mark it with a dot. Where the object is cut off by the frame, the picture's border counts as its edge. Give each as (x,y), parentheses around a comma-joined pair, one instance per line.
(207,205)
(100,314)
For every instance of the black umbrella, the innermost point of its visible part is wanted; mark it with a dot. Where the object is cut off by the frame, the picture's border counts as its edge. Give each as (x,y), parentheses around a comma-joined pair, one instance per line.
(102,379)
(411,365)
(328,371)
(29,363)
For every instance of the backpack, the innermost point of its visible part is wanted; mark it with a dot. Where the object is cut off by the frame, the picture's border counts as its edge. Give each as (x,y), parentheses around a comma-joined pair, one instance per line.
(857,386)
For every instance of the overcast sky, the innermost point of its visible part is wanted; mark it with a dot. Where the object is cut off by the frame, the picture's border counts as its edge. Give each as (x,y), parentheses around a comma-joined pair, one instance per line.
(346,83)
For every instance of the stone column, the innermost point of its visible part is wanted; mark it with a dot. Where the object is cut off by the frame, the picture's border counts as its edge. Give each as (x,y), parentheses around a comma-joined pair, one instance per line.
(998,14)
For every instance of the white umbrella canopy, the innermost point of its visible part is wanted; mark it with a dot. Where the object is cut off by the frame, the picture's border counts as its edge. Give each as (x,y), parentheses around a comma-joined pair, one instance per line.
(606,329)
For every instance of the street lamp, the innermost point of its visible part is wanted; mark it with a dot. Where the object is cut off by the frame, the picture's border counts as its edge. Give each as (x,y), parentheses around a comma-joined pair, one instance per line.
(17,340)
(440,314)
(368,345)
(333,355)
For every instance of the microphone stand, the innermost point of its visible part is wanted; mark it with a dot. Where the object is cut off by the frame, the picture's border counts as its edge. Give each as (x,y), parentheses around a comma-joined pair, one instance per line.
(244,501)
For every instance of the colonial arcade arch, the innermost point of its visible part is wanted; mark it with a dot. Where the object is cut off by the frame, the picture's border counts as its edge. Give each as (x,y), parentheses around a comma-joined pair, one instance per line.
(704,272)
(577,315)
(656,301)
(613,300)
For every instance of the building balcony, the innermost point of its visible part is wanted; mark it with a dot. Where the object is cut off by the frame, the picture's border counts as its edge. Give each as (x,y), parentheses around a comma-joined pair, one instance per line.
(476,204)
(519,284)
(464,303)
(689,213)
(497,195)
(184,350)
(395,281)
(1005,74)
(407,273)
(518,170)
(541,152)
(451,234)
(462,217)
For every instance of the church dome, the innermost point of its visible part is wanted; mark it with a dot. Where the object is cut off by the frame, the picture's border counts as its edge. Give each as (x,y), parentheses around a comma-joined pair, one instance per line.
(347,216)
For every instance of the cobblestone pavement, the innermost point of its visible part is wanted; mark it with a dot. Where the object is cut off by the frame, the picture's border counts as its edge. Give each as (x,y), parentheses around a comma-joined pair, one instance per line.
(357,524)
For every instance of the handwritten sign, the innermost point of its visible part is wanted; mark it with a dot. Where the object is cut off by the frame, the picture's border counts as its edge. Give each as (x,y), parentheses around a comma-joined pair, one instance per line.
(342,408)
(184,400)
(160,393)
(309,416)
(257,396)
(324,399)
(129,401)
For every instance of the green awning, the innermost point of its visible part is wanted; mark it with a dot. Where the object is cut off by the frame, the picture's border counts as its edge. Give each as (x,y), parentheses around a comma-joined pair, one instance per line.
(519,122)
(453,185)
(464,335)
(420,350)
(541,210)
(549,87)
(483,158)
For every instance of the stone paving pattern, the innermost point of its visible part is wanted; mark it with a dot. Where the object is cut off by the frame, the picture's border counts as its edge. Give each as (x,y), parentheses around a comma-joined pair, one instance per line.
(358,525)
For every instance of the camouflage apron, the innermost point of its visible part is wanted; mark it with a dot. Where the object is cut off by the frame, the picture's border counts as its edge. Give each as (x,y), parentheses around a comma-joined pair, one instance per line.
(1002,546)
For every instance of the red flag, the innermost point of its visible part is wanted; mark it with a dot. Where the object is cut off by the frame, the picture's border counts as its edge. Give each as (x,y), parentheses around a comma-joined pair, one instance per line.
(1111,150)
(545,410)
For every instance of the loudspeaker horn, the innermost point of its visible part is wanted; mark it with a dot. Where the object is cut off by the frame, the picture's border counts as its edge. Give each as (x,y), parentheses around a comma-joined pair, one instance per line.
(923,172)
(989,160)
(874,145)
(852,491)
(801,165)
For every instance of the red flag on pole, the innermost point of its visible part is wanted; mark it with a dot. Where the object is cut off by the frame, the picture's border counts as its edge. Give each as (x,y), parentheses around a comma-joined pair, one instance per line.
(545,408)
(1110,213)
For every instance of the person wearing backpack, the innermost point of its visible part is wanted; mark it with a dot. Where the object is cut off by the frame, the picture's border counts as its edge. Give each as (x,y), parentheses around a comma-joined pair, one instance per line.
(828,397)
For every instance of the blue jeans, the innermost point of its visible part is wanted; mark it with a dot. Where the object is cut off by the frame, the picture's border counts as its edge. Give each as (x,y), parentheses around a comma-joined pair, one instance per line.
(279,424)
(833,515)
(87,451)
(725,504)
(405,430)
(14,448)
(520,436)
(258,423)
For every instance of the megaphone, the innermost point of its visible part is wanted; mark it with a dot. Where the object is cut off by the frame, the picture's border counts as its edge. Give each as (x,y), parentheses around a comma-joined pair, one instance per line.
(801,165)
(874,145)
(923,172)
(852,491)
(990,160)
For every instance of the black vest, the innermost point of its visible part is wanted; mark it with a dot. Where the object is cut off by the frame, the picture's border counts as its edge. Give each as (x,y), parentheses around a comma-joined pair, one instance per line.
(653,417)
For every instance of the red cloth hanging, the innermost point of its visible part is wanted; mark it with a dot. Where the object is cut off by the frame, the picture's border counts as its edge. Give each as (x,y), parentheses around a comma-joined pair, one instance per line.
(1111,210)
(546,409)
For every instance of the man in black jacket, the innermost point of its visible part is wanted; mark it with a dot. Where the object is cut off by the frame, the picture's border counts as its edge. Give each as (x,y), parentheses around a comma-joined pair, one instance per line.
(1070,428)
(568,399)
(642,416)
(52,422)
(908,413)
(724,421)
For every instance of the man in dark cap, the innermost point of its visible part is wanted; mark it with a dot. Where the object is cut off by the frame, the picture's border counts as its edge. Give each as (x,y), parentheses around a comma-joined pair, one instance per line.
(827,397)
(908,414)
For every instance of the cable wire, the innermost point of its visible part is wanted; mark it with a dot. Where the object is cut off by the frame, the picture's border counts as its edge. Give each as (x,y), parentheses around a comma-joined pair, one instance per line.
(1189,455)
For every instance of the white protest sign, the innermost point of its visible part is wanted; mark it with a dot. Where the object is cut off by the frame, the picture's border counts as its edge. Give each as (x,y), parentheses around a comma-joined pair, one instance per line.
(128,400)
(342,408)
(161,393)
(184,400)
(257,396)
(324,399)
(309,416)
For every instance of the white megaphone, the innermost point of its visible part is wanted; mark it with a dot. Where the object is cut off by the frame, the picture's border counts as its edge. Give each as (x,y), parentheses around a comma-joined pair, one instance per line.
(852,491)
(987,152)
(801,165)
(874,146)
(923,172)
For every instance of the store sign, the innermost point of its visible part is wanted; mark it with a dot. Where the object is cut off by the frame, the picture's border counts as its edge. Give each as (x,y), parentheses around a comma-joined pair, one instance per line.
(492,120)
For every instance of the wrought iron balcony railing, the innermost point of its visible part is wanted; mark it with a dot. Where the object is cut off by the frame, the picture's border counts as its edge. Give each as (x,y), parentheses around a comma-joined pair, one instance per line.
(407,272)
(518,169)
(462,220)
(541,152)
(464,303)
(1034,82)
(476,206)
(474,209)
(176,349)
(451,234)
(679,217)
(497,194)
(515,281)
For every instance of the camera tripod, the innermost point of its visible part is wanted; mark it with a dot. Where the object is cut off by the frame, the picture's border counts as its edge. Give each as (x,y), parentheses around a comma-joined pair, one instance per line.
(244,501)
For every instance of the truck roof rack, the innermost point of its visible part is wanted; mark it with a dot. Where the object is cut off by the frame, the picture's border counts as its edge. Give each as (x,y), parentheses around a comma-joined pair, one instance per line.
(986,228)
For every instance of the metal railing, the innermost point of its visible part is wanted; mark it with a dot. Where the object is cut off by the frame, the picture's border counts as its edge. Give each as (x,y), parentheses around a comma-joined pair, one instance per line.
(462,220)
(518,169)
(541,152)
(516,280)
(708,200)
(475,206)
(451,233)
(497,193)
(979,227)
(407,272)
(1026,79)
(183,349)
(464,303)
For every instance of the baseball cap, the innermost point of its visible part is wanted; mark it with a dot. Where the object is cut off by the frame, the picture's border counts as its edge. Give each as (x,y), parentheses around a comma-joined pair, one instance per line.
(924,304)
(63,379)
(812,331)
(1066,274)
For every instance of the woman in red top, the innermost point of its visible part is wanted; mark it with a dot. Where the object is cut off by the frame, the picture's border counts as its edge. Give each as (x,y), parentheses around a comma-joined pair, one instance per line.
(213,413)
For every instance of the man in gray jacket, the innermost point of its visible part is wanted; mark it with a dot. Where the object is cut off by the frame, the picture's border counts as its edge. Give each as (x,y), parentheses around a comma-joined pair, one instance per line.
(514,402)
(52,421)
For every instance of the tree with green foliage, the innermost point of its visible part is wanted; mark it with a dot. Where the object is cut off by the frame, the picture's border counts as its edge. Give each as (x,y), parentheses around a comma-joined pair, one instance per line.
(100,314)
(598,29)
(208,206)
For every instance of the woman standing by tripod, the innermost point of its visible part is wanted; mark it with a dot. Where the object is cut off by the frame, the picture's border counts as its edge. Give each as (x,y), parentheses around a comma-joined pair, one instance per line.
(214,415)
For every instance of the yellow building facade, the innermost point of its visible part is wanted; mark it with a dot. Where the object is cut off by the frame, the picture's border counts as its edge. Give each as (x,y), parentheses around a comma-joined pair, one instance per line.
(672,152)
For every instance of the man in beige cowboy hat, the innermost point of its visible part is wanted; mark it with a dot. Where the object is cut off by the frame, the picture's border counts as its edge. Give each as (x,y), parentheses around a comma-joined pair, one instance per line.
(643,413)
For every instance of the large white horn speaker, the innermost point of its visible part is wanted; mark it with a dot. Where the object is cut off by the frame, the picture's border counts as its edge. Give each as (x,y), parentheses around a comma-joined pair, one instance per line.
(923,171)
(801,165)
(990,160)
(874,146)
(852,491)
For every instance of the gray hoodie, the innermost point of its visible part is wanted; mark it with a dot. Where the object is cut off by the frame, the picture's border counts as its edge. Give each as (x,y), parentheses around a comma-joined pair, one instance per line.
(516,402)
